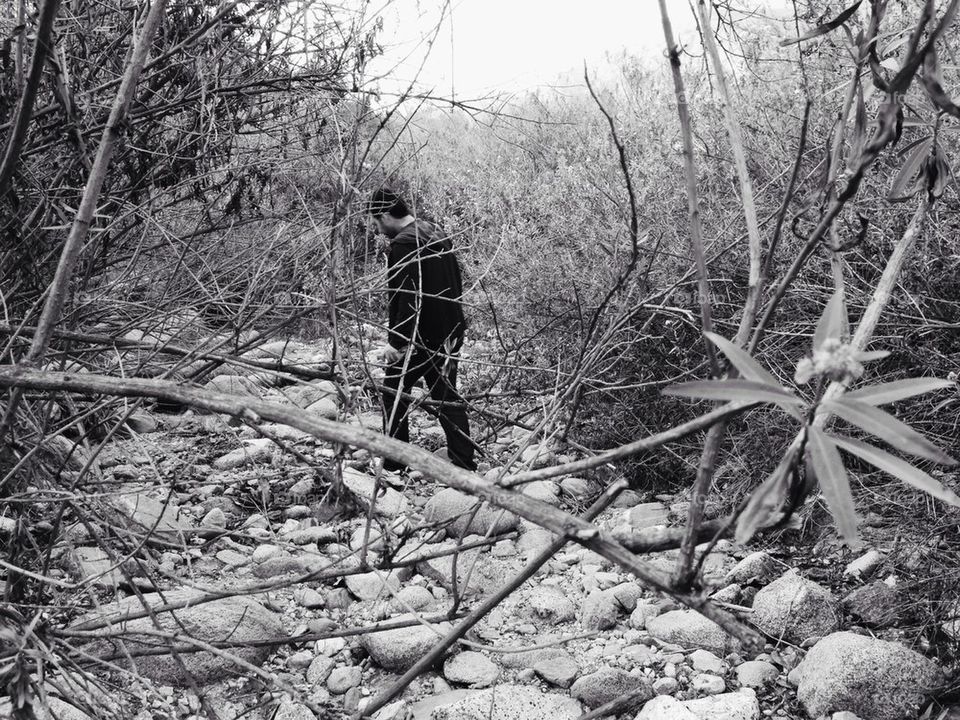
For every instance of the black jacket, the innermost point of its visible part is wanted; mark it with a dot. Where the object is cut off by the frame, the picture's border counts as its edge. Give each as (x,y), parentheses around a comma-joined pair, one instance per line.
(425,286)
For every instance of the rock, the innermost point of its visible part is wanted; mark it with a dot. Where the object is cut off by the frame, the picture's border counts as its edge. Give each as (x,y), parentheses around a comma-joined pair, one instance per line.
(875,679)
(342,679)
(706,661)
(757,673)
(471,668)
(325,407)
(453,508)
(665,707)
(552,605)
(233,385)
(300,660)
(865,565)
(259,450)
(642,614)
(544,490)
(665,685)
(389,502)
(728,594)
(215,519)
(52,709)
(399,649)
(232,558)
(741,705)
(93,565)
(706,684)
(690,629)
(319,669)
(876,604)
(794,608)
(646,515)
(844,715)
(373,585)
(536,456)
(533,539)
(7,526)
(599,611)
(143,514)
(142,422)
(413,597)
(239,620)
(559,670)
(303,395)
(607,684)
(627,595)
(290,710)
(577,488)
(757,568)
(309,598)
(509,702)
(318,534)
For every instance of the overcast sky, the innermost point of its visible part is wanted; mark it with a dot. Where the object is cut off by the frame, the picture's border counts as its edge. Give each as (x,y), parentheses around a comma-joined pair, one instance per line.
(514,45)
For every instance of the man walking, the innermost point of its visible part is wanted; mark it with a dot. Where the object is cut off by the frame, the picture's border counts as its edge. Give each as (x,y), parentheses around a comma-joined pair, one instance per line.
(426,324)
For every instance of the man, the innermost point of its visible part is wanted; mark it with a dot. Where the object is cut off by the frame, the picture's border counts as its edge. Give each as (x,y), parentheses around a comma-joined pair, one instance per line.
(426,324)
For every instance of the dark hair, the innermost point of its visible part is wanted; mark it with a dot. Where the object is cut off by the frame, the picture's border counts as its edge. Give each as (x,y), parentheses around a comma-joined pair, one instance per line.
(386,201)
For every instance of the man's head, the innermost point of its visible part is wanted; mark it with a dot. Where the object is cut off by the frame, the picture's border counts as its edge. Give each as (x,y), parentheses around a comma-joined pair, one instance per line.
(389,211)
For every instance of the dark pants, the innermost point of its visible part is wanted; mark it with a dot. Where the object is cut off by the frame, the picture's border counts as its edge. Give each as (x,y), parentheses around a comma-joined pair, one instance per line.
(439,372)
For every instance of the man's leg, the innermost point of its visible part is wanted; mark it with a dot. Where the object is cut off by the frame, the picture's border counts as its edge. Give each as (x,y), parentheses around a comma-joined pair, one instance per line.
(441,377)
(396,408)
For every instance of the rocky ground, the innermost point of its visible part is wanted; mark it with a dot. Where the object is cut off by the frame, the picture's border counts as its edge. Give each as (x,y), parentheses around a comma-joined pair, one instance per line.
(229,511)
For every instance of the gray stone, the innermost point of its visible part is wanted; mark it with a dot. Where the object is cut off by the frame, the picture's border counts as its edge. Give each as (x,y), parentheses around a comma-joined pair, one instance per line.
(143,514)
(740,705)
(707,684)
(757,673)
(278,566)
(53,709)
(93,565)
(509,702)
(876,604)
(399,649)
(706,661)
(142,422)
(665,707)
(665,686)
(627,595)
(577,488)
(544,490)
(342,679)
(599,610)
(794,608)
(453,509)
(560,670)
(471,668)
(325,407)
(318,534)
(389,502)
(373,585)
(757,568)
(875,679)
(642,614)
(289,710)
(552,605)
(607,684)
(319,669)
(309,598)
(255,451)
(690,629)
(241,620)
(647,515)
(536,456)
(865,565)
(233,385)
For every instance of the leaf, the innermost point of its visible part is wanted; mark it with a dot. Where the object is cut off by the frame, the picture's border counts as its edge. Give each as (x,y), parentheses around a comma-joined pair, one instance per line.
(886,427)
(741,360)
(859,134)
(908,173)
(869,355)
(826,27)
(827,465)
(900,469)
(833,323)
(748,391)
(889,392)
(933,84)
(765,500)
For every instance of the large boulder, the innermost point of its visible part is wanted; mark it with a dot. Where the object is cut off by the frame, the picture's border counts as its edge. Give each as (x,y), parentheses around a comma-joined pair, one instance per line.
(741,705)
(240,621)
(794,609)
(510,702)
(608,684)
(454,509)
(875,679)
(691,630)
(389,502)
(399,649)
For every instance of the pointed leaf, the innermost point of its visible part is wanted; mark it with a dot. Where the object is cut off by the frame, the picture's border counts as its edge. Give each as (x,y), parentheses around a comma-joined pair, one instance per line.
(826,27)
(899,189)
(833,323)
(889,392)
(933,83)
(859,134)
(748,391)
(900,469)
(766,500)
(886,427)
(870,355)
(741,360)
(827,465)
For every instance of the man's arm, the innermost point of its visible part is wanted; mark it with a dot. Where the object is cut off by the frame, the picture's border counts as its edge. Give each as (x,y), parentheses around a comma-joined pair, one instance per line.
(404,300)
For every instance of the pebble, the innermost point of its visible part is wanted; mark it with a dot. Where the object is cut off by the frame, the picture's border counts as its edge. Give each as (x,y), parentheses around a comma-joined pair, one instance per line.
(471,668)
(320,669)
(342,679)
(706,684)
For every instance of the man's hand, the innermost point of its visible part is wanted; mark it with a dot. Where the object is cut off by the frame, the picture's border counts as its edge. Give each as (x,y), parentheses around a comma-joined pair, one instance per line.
(390,354)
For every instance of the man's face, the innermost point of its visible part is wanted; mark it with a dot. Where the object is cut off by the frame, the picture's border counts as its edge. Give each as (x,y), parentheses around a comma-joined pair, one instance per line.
(384,227)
